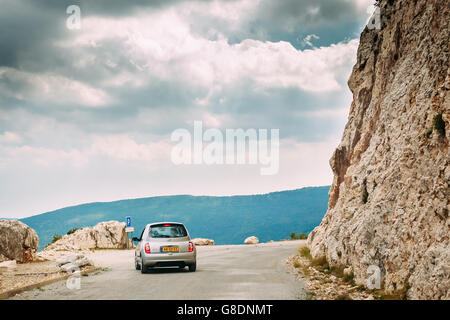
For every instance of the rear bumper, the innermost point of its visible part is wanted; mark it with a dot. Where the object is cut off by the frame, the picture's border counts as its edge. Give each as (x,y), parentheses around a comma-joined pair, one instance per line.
(169,259)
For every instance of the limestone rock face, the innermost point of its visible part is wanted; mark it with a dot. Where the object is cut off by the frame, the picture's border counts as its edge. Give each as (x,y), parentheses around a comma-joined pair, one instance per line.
(104,235)
(389,201)
(110,234)
(203,242)
(17,241)
(251,240)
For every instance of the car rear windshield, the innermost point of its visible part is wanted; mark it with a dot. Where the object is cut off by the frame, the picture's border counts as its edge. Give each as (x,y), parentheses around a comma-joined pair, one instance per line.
(168,231)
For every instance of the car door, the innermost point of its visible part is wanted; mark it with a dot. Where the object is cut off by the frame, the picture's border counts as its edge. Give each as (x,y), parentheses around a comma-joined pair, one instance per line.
(138,246)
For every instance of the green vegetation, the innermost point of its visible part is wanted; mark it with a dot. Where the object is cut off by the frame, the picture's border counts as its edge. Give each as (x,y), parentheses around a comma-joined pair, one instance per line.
(73,230)
(300,236)
(304,252)
(349,277)
(56,237)
(439,124)
(226,219)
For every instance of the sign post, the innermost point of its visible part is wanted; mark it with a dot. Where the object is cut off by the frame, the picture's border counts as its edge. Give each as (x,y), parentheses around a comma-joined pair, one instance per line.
(129,229)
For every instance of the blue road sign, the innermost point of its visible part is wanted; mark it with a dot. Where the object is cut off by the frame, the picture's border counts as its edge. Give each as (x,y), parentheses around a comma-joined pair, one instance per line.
(128,222)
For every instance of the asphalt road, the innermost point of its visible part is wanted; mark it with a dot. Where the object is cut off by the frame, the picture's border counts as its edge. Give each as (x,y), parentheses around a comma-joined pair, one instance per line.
(223,272)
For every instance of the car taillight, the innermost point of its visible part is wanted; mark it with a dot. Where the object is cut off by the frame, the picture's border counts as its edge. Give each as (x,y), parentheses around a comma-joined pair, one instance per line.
(147,248)
(191,247)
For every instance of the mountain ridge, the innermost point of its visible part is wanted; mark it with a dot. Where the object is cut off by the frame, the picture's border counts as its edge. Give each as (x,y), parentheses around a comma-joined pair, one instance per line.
(226,219)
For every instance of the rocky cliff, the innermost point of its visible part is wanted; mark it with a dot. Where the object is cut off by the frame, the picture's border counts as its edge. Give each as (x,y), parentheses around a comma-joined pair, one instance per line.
(389,201)
(17,241)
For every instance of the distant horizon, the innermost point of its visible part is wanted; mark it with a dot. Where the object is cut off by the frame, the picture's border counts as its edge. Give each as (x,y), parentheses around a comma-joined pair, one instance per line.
(155,196)
(226,219)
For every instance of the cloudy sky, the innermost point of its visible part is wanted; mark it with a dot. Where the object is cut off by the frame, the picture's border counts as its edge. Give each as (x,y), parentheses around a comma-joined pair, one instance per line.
(87,115)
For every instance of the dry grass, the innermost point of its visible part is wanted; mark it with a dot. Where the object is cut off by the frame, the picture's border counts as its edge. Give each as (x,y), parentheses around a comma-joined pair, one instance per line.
(321,264)
(401,294)
(319,270)
(309,265)
(304,252)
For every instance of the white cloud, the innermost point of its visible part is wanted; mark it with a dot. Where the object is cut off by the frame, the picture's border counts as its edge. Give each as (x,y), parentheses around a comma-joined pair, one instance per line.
(40,156)
(363,4)
(212,120)
(47,88)
(235,12)
(340,113)
(164,47)
(123,147)
(305,164)
(10,138)
(116,147)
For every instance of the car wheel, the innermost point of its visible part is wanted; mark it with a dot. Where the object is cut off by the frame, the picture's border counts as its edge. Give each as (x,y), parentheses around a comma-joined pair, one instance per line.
(192,267)
(143,268)
(136,264)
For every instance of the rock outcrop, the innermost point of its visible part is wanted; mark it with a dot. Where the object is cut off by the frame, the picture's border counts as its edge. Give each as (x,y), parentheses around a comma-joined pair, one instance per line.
(203,242)
(251,240)
(73,263)
(389,201)
(17,241)
(104,235)
(8,264)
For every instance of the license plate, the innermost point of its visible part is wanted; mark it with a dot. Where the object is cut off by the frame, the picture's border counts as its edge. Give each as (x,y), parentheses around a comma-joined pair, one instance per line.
(169,249)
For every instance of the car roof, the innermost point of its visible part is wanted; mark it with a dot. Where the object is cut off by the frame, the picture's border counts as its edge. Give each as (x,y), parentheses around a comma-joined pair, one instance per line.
(164,222)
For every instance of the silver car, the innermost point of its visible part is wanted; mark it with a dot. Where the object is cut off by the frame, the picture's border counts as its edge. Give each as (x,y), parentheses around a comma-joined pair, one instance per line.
(165,244)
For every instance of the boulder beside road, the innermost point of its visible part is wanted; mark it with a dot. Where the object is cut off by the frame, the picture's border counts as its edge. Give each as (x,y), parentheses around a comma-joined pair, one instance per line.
(104,235)
(71,264)
(251,240)
(17,241)
(68,259)
(203,242)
